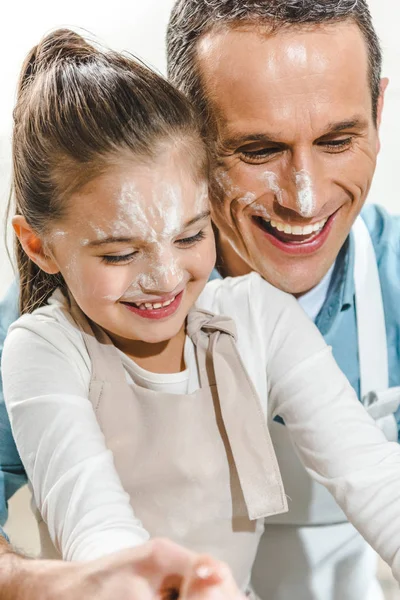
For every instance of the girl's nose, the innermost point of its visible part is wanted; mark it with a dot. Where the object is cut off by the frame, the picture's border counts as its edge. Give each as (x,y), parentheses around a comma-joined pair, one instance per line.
(162,279)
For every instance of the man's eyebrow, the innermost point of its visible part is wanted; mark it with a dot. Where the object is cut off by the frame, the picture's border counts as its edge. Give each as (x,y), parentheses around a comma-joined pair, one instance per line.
(204,215)
(235,141)
(353,123)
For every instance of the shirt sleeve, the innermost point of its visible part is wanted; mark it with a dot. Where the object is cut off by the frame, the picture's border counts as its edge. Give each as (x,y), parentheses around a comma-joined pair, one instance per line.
(338,442)
(12,473)
(75,485)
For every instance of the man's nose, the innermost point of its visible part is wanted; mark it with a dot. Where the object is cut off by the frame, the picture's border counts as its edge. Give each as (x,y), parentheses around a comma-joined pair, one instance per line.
(304,191)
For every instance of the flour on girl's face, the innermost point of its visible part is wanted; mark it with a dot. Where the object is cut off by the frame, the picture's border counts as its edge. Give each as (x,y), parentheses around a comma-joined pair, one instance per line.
(156,224)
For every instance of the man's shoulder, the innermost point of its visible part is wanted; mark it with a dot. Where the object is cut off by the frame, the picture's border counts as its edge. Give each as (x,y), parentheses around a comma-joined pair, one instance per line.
(384,229)
(9,311)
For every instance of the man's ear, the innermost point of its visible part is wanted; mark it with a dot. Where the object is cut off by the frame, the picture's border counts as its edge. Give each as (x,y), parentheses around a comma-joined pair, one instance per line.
(33,245)
(381,100)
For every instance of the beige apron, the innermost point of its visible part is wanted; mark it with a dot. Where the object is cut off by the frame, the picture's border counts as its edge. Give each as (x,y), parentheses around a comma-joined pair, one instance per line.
(200,468)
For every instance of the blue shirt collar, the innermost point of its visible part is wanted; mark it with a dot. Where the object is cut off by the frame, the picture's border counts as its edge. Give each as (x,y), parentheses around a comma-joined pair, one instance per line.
(341,290)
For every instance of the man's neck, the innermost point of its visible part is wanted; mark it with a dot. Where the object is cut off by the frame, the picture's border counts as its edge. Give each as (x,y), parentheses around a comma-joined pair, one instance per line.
(231,264)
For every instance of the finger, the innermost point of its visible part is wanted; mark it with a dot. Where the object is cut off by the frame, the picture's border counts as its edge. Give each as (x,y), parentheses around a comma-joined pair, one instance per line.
(162,563)
(127,588)
(209,580)
(140,590)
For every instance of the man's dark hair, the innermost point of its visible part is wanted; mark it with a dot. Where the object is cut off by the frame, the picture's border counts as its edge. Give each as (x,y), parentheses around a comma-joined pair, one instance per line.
(191,19)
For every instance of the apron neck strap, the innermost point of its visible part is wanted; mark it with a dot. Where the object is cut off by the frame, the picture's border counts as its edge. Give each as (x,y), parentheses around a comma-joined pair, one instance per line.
(244,422)
(108,365)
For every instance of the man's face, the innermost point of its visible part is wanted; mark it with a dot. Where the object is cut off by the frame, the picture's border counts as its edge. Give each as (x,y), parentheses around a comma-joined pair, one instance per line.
(296,146)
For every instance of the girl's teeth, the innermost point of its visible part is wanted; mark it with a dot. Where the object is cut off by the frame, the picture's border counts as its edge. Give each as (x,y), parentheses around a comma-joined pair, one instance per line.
(149,306)
(296,229)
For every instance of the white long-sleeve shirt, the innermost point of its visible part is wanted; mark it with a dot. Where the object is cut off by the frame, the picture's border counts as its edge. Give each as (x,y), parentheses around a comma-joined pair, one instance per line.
(46,371)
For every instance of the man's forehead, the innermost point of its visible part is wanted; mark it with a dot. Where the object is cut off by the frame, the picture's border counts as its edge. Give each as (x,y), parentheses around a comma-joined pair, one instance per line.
(319,74)
(224,42)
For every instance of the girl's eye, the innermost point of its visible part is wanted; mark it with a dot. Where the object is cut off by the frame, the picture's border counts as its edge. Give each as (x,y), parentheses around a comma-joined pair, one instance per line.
(117,259)
(189,241)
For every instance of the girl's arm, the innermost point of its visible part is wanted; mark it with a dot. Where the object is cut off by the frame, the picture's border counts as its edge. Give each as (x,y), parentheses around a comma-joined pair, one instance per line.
(338,442)
(75,485)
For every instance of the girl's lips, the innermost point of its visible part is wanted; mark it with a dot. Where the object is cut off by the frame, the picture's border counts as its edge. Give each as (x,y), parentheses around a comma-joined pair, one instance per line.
(156,313)
(303,248)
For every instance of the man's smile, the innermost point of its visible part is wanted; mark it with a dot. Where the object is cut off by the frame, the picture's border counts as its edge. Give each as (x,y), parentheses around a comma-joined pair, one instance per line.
(295,239)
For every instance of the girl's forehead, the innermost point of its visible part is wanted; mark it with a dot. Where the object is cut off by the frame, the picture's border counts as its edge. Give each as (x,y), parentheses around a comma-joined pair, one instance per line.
(146,184)
(144,197)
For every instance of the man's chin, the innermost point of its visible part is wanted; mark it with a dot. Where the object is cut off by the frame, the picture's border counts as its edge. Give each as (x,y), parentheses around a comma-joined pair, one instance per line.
(296,281)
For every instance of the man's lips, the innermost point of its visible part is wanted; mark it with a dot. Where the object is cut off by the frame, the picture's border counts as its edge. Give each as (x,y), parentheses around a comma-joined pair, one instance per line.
(295,244)
(156,312)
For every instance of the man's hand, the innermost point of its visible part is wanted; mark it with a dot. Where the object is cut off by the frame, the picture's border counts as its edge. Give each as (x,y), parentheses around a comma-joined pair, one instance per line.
(158,570)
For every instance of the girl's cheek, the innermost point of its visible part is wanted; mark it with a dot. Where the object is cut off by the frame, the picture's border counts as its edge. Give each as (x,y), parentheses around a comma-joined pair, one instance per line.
(112,282)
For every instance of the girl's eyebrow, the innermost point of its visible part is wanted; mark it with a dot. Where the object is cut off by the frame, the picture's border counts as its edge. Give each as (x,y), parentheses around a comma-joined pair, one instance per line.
(111,240)
(129,240)
(204,215)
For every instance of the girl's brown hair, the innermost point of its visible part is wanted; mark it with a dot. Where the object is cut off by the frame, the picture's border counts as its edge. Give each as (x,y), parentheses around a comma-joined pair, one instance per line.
(77,108)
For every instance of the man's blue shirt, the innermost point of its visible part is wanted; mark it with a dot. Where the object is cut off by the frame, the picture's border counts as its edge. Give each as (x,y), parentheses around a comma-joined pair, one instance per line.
(12,474)
(336,321)
(337,318)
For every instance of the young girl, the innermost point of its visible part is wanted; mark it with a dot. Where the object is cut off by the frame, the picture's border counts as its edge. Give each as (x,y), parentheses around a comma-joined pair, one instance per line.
(132,410)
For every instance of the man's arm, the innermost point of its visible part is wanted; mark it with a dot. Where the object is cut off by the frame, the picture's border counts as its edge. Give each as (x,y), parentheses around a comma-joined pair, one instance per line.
(157,570)
(12,473)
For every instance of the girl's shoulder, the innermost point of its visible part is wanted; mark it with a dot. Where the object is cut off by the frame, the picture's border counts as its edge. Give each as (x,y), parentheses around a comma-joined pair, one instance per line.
(52,327)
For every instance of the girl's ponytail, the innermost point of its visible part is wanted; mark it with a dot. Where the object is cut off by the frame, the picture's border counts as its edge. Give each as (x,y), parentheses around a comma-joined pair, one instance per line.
(38,71)
(78,107)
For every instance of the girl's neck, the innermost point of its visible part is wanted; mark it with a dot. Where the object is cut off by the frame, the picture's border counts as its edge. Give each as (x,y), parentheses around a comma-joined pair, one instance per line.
(162,357)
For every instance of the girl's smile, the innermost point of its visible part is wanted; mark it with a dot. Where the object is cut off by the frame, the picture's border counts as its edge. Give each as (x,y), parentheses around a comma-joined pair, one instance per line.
(161,309)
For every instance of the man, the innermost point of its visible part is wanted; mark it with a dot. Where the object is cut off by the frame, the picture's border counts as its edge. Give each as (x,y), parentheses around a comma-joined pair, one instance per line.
(291,96)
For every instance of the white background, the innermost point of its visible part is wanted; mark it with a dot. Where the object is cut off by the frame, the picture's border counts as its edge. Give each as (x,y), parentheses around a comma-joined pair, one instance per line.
(139,26)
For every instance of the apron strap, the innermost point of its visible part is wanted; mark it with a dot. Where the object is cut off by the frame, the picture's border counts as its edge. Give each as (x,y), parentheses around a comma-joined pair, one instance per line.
(371,328)
(245,425)
(108,365)
(380,401)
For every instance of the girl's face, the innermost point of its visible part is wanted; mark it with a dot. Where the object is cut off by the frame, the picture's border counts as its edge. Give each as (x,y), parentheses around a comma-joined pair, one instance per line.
(137,247)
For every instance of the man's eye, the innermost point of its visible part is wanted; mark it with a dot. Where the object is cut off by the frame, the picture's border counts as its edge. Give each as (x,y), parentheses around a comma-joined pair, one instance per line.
(337,145)
(189,241)
(115,259)
(259,155)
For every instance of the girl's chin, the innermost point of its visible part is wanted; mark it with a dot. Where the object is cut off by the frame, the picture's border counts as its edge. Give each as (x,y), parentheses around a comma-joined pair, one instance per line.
(152,333)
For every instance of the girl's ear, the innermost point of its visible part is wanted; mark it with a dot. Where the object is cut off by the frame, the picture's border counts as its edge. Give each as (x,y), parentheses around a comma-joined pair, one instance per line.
(33,245)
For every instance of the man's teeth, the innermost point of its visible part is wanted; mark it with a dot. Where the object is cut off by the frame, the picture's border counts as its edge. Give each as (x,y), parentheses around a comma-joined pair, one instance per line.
(150,306)
(296,229)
